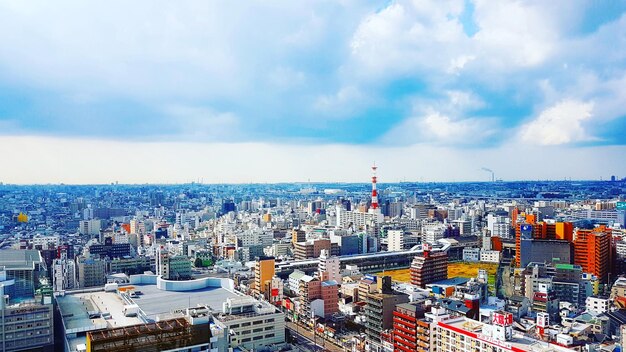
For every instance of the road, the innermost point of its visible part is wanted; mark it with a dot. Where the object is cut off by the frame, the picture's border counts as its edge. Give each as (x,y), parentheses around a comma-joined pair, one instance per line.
(305,339)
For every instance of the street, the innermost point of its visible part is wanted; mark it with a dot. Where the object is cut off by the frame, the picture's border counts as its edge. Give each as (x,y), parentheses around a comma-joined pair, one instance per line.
(305,339)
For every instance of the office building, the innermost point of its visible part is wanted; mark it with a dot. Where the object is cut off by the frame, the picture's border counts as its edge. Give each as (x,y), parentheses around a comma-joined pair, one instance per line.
(91,272)
(25,267)
(109,249)
(173,267)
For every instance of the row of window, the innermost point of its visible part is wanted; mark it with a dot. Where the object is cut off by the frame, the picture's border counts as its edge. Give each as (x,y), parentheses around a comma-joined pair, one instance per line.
(235,326)
(268,336)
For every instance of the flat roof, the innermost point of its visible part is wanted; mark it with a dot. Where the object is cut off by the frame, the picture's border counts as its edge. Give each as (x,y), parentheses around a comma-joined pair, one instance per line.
(518,340)
(19,259)
(454,281)
(76,308)
(155,302)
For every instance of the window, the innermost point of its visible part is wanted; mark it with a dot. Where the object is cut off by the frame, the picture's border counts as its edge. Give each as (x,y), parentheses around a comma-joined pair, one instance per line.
(269,336)
(258,337)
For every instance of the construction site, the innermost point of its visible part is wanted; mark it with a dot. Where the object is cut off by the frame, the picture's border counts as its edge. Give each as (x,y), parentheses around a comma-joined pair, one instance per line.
(159,336)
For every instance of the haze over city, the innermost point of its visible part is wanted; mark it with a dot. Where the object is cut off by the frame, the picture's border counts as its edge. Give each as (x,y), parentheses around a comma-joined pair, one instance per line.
(147,92)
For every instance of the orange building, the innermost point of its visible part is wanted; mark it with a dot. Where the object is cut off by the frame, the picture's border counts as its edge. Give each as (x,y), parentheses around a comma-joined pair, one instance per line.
(592,251)
(543,231)
(263,272)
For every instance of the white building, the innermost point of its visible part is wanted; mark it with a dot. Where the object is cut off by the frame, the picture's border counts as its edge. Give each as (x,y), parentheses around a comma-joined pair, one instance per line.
(471,254)
(41,241)
(488,256)
(395,240)
(499,226)
(89,227)
(255,324)
(330,265)
(358,220)
(433,232)
(597,305)
(64,275)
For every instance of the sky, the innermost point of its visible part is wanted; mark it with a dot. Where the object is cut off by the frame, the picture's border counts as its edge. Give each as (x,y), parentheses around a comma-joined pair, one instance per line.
(290,91)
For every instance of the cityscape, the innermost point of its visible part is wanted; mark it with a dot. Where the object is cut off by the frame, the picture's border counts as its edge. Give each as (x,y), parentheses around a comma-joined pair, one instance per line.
(286,176)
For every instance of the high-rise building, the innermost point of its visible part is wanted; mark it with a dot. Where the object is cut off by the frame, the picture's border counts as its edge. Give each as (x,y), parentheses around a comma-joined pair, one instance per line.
(264,269)
(429,267)
(91,272)
(25,325)
(173,267)
(330,266)
(313,248)
(23,266)
(408,328)
(298,235)
(592,251)
(64,274)
(379,311)
(395,240)
(546,230)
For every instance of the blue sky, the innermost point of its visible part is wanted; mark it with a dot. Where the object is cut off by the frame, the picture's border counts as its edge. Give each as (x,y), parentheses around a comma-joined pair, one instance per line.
(392,76)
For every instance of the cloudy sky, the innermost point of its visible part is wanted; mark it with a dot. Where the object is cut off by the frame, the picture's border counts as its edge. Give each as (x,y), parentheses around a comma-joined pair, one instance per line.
(219,91)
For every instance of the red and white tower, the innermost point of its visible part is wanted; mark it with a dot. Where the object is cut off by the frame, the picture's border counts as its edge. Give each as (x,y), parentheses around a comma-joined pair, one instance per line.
(374,206)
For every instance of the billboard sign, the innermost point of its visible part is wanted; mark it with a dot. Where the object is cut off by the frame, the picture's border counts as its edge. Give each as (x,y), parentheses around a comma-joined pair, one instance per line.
(503,319)
(526,231)
(620,206)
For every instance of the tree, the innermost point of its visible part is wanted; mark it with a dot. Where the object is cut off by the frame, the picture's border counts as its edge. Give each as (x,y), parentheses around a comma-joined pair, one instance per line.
(197,263)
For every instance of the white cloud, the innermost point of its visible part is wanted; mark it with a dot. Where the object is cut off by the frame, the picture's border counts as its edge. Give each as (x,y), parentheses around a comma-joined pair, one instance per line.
(201,123)
(213,162)
(341,104)
(559,124)
(436,128)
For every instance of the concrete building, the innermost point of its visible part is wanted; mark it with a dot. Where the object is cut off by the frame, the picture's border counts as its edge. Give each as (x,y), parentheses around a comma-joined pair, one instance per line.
(395,240)
(466,335)
(330,266)
(173,267)
(592,251)
(358,220)
(25,267)
(597,305)
(64,274)
(26,325)
(471,254)
(91,272)
(255,324)
(409,329)
(313,248)
(90,227)
(429,267)
(329,294)
(264,269)
(379,311)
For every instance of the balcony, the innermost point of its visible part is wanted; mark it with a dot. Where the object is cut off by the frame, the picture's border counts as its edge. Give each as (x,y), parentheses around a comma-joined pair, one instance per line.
(404,316)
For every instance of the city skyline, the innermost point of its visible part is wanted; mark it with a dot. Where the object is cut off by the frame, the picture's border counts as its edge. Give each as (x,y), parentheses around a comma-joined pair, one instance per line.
(430,91)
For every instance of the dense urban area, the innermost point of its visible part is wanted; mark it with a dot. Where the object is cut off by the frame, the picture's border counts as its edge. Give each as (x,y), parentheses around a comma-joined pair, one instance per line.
(484,266)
